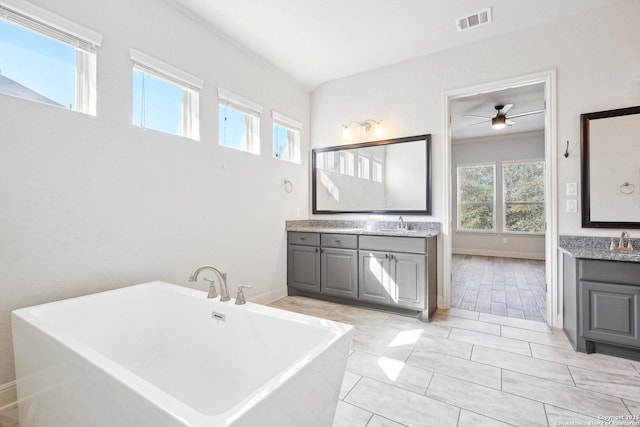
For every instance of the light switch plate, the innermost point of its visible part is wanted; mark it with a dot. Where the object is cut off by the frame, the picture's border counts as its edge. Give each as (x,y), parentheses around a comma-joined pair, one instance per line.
(572,188)
(572,206)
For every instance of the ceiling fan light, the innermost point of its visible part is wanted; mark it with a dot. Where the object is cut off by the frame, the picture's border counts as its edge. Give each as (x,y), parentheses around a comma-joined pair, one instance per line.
(498,122)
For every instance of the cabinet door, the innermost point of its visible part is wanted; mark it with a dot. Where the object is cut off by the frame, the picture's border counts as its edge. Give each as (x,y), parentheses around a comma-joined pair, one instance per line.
(408,280)
(303,267)
(339,272)
(610,313)
(373,278)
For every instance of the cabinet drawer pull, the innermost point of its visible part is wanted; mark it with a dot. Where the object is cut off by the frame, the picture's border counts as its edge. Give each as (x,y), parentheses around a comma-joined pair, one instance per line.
(316,249)
(337,241)
(302,238)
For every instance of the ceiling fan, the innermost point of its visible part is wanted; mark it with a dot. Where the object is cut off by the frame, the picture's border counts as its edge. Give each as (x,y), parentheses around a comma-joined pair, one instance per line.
(501,119)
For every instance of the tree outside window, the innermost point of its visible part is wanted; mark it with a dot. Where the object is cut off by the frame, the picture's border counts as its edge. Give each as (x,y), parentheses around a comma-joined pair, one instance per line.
(523,188)
(476,197)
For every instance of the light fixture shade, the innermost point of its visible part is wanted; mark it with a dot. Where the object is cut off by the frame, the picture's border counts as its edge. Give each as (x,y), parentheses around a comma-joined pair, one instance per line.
(346,133)
(377,129)
(498,122)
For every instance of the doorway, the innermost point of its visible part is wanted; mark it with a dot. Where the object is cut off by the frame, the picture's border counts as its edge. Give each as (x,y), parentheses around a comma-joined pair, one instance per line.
(488,234)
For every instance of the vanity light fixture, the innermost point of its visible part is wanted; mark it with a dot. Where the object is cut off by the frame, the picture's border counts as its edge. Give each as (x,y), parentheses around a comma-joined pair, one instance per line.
(363,128)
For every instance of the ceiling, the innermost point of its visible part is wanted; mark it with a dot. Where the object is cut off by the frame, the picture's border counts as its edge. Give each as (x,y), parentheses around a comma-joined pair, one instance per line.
(315,41)
(524,99)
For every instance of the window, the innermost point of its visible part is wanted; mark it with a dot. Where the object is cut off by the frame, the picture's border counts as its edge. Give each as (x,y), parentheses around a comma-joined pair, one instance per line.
(46,58)
(286,138)
(165,98)
(476,197)
(363,166)
(326,160)
(376,170)
(239,121)
(346,163)
(523,188)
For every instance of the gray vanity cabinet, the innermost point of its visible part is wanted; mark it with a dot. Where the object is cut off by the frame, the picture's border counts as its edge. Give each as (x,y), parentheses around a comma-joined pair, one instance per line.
(610,312)
(339,265)
(393,278)
(393,270)
(398,273)
(602,305)
(374,267)
(303,261)
(408,271)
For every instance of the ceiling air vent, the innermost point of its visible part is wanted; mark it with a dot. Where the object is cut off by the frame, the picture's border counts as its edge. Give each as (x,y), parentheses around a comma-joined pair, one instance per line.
(475,20)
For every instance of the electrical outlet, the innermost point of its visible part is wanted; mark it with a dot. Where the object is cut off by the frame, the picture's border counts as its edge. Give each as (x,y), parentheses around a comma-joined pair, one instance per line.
(572,188)
(572,206)
(505,240)
(297,212)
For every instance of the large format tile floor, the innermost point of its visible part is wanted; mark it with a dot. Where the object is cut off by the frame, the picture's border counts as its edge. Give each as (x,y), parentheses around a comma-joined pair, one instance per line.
(472,369)
(502,286)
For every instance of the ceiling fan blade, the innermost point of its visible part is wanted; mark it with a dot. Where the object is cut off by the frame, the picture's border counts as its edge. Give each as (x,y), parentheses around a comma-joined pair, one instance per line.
(505,109)
(480,123)
(509,122)
(526,114)
(476,117)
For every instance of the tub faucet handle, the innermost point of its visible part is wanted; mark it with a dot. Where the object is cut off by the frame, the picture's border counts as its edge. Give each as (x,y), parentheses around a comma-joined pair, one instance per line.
(240,300)
(212,288)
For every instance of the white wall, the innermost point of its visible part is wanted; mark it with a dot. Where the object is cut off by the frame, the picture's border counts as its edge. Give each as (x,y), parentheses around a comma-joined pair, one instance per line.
(598,68)
(522,146)
(93,203)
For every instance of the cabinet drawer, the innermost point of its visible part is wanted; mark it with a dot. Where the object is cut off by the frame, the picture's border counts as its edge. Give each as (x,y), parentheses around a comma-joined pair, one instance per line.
(306,239)
(417,245)
(627,273)
(346,241)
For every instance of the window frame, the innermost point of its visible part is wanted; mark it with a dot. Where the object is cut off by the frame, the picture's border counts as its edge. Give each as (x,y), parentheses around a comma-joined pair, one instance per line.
(377,170)
(363,167)
(293,145)
(188,83)
(252,112)
(347,163)
(504,198)
(493,230)
(85,42)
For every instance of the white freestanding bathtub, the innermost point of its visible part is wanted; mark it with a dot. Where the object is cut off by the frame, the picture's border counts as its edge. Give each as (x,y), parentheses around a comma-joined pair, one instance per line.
(159,355)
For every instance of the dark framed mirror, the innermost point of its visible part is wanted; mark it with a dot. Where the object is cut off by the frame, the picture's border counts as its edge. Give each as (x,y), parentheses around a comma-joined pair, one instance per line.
(610,166)
(387,177)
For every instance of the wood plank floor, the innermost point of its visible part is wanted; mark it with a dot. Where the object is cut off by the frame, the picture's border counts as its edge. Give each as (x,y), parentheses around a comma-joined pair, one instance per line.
(501,286)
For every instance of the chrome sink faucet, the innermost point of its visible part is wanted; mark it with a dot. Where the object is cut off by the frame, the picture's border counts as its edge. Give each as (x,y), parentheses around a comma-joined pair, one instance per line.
(224,290)
(621,246)
(402,225)
(622,236)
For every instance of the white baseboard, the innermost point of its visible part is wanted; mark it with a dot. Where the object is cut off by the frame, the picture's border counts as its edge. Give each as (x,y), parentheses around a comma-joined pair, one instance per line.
(268,297)
(8,395)
(501,254)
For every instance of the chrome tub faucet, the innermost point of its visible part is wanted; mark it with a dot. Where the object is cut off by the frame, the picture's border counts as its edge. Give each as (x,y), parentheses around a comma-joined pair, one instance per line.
(240,300)
(224,290)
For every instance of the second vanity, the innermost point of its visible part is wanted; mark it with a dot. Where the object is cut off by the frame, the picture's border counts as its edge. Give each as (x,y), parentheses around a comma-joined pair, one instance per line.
(375,265)
(601,293)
